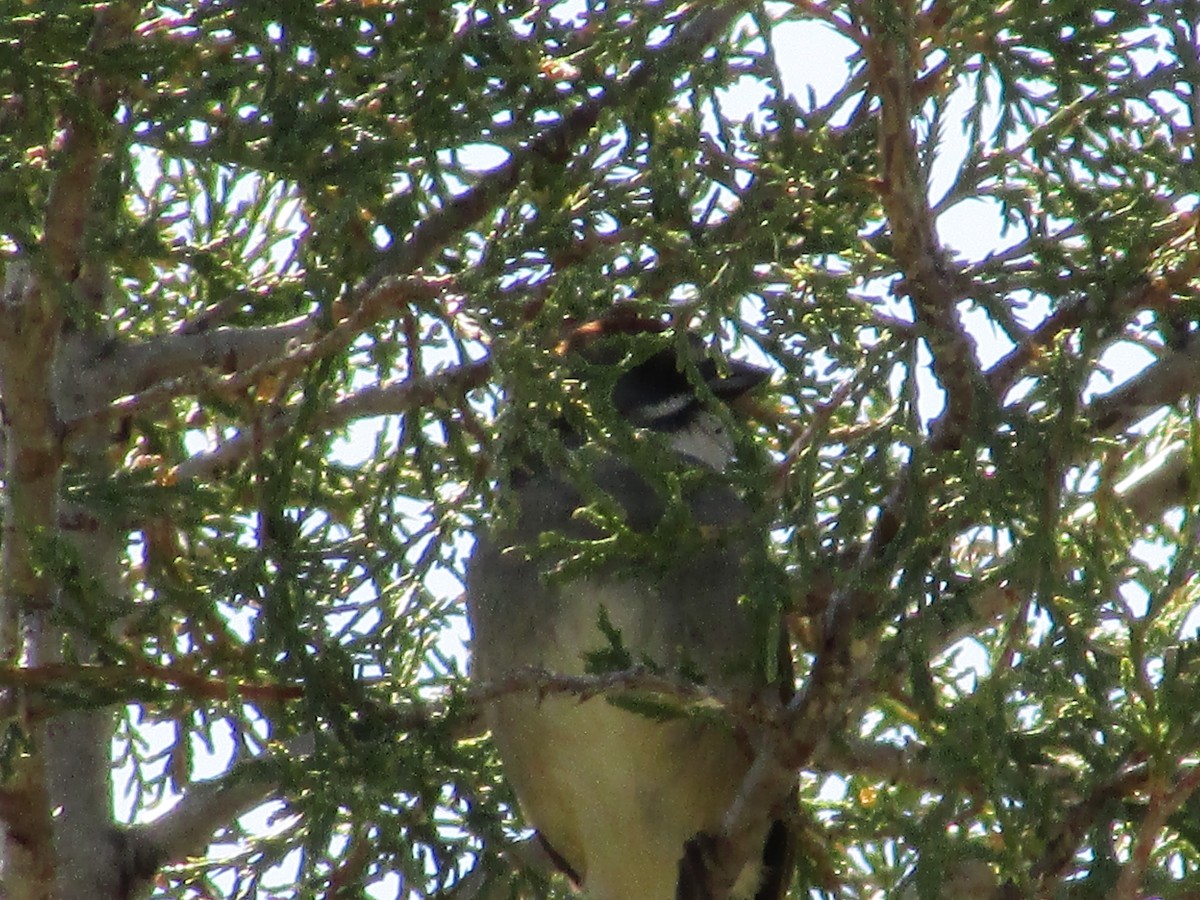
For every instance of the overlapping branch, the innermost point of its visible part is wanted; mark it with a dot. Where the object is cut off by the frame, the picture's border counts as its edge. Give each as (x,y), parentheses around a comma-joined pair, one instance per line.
(146,376)
(846,652)
(1157,293)
(182,365)
(691,37)
(928,278)
(450,386)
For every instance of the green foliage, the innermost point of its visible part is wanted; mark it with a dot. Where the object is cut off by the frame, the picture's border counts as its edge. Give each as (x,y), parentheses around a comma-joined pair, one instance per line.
(1032,631)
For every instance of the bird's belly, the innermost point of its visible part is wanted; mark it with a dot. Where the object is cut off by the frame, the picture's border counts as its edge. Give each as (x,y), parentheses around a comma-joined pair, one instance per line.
(615,793)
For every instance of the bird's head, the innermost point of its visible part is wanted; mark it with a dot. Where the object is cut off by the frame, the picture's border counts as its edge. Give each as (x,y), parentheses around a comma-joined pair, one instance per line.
(673,394)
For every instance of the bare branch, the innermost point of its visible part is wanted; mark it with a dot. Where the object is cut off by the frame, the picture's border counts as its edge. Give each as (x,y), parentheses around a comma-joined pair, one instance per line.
(394,399)
(1169,485)
(1164,802)
(1175,375)
(1157,293)
(69,202)
(130,680)
(886,762)
(929,278)
(206,807)
(126,369)
(247,356)
(1004,374)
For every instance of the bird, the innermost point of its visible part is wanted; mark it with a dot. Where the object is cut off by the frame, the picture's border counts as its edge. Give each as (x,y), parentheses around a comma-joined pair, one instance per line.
(619,798)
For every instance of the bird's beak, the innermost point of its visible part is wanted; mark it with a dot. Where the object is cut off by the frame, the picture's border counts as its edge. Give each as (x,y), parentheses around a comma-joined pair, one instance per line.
(739,379)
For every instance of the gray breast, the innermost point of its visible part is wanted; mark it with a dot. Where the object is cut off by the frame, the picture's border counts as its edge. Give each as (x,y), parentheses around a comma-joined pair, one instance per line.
(662,599)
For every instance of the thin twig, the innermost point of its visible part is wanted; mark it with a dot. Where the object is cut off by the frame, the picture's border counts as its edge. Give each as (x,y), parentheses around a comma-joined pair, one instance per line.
(1164,802)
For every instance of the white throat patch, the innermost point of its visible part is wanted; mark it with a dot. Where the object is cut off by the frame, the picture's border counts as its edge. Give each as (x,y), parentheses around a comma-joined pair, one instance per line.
(705,439)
